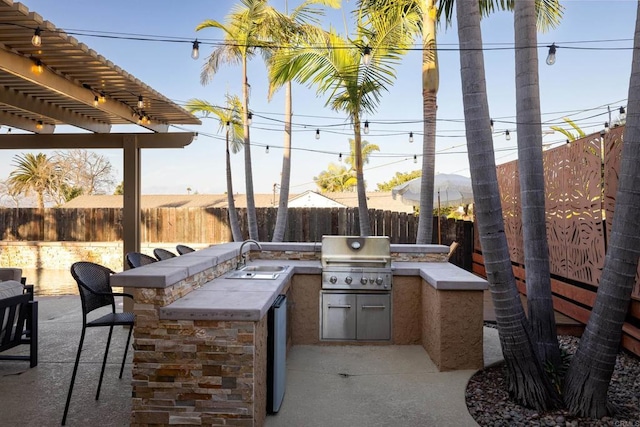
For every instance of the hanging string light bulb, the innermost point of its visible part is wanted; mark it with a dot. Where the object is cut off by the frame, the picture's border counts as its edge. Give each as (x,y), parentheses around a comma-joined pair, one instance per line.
(39,125)
(410,136)
(366,56)
(340,157)
(491,124)
(366,127)
(102,98)
(36,40)
(415,158)
(606,127)
(249,118)
(507,135)
(37,68)
(195,136)
(623,114)
(551,57)
(195,50)
(266,150)
(96,101)
(317,133)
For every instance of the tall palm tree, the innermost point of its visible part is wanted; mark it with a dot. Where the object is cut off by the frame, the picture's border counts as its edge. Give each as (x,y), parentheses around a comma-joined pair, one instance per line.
(241,36)
(335,65)
(230,120)
(367,149)
(528,383)
(34,174)
(590,372)
(285,31)
(336,178)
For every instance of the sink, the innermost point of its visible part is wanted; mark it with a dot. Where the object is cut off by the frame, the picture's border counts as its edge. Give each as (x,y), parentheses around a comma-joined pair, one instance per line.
(265,268)
(258,272)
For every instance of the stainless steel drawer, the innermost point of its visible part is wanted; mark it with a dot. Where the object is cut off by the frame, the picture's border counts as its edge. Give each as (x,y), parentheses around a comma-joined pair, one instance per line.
(338,316)
(373,317)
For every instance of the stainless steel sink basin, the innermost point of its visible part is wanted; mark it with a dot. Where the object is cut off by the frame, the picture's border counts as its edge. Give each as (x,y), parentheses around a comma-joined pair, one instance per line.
(258,272)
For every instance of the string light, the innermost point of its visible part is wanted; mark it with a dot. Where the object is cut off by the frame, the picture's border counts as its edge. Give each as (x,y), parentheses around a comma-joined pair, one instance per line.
(410,136)
(366,127)
(623,113)
(606,127)
(39,125)
(507,136)
(249,118)
(36,40)
(195,136)
(551,57)
(266,150)
(102,98)
(96,101)
(415,158)
(340,157)
(227,125)
(491,123)
(317,133)
(366,56)
(195,51)
(140,102)
(37,68)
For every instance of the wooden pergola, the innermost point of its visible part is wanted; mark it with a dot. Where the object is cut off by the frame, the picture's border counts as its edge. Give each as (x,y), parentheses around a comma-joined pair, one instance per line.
(63,82)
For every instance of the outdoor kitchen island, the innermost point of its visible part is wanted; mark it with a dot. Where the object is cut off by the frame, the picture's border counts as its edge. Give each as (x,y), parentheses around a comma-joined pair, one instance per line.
(200,339)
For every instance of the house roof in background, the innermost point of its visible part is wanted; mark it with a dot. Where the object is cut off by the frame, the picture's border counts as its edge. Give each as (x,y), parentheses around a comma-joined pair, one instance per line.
(375,200)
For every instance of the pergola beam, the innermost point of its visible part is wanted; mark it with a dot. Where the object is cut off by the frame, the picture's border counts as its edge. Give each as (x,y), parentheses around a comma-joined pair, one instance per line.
(18,122)
(94,141)
(20,66)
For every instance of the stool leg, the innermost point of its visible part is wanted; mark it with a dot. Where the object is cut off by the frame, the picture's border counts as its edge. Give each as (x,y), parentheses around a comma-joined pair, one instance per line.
(124,358)
(104,361)
(73,378)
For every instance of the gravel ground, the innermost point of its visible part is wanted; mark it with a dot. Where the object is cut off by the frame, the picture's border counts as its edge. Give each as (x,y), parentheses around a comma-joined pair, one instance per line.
(489,405)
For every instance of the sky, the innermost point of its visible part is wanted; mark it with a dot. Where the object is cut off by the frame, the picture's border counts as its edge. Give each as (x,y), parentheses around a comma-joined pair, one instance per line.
(589,79)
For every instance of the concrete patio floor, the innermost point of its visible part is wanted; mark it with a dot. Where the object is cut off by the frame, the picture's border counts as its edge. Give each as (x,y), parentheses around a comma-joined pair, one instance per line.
(326,385)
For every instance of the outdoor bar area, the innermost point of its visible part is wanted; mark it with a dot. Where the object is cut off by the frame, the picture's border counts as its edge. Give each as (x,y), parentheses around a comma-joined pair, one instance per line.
(203,336)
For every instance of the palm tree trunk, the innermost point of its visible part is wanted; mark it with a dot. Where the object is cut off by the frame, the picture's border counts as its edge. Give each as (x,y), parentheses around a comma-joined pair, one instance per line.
(532,194)
(236,233)
(430,85)
(588,378)
(285,178)
(363,210)
(40,199)
(251,204)
(528,383)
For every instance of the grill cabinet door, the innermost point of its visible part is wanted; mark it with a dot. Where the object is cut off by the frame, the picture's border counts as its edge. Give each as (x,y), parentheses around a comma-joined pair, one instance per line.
(338,316)
(374,317)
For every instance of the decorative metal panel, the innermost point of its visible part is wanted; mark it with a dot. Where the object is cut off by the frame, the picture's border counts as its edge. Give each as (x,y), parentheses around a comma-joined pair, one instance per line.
(509,184)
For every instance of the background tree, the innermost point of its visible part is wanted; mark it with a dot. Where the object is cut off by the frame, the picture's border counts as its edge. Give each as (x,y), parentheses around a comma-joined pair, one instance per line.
(119,190)
(230,120)
(353,71)
(336,178)
(366,148)
(241,38)
(566,132)
(398,178)
(34,174)
(86,170)
(285,31)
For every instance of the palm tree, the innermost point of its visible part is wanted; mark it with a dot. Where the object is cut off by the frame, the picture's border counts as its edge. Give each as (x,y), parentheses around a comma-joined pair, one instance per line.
(34,173)
(241,35)
(285,31)
(570,135)
(532,194)
(336,178)
(367,149)
(528,383)
(335,65)
(590,372)
(230,119)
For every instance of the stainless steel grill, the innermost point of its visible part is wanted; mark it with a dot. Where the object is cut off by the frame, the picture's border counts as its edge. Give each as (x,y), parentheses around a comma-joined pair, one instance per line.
(356,263)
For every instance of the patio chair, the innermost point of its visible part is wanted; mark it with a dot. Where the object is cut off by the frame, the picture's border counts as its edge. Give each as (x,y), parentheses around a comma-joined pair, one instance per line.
(138,259)
(162,254)
(95,292)
(18,320)
(182,249)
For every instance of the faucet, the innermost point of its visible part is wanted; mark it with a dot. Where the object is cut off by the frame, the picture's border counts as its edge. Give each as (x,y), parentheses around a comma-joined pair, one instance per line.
(243,256)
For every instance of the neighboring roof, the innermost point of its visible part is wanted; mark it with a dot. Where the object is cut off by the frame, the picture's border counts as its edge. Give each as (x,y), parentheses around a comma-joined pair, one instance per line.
(72,76)
(312,199)
(375,200)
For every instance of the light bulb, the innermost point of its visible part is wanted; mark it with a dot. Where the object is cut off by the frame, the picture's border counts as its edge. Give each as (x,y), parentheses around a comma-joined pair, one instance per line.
(623,113)
(410,136)
(366,55)
(249,118)
(606,127)
(507,136)
(195,51)
(491,124)
(102,98)
(227,125)
(317,133)
(195,136)
(39,125)
(415,158)
(266,150)
(366,127)
(36,40)
(551,57)
(37,68)
(339,157)
(96,101)
(140,102)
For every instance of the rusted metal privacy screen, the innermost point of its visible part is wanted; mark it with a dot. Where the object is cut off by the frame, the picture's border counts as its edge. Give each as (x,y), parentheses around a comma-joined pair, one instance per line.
(581,179)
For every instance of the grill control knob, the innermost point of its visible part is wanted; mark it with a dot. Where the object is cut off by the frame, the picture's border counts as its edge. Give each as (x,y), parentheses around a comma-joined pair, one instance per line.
(333,279)
(348,280)
(379,281)
(363,280)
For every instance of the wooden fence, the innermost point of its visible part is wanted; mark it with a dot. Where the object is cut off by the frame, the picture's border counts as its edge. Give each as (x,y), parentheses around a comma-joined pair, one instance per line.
(581,180)
(211,225)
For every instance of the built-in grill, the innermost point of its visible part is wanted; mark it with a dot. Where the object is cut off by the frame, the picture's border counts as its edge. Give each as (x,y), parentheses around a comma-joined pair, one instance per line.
(356,289)
(356,263)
